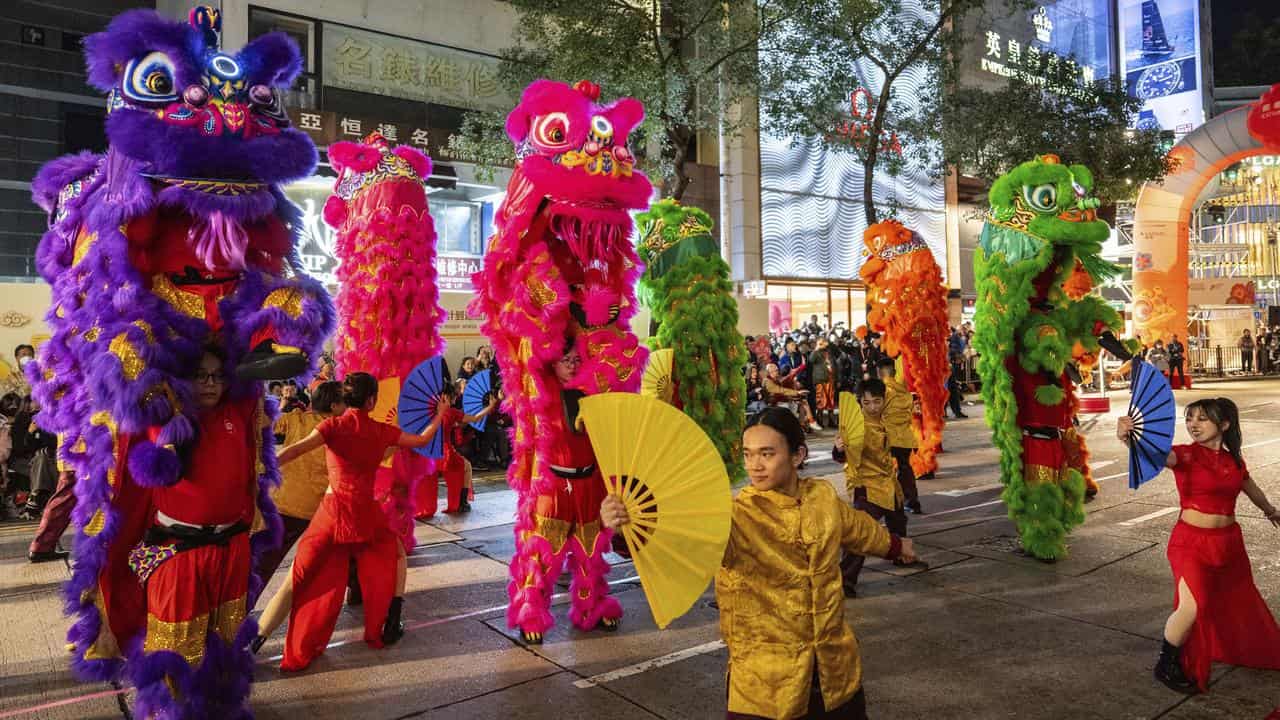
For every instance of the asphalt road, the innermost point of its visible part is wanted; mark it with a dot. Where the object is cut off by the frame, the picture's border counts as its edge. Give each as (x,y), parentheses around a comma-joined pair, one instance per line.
(982,633)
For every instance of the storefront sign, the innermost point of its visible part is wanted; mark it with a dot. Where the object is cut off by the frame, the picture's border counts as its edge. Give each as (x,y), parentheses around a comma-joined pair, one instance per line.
(326,128)
(1052,41)
(454,272)
(753,288)
(369,62)
(857,129)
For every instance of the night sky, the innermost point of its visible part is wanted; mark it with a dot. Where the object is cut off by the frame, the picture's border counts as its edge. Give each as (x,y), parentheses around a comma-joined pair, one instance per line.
(1230,16)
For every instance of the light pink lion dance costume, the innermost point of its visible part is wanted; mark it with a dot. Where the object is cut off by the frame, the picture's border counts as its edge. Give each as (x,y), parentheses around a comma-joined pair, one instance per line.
(560,276)
(389,313)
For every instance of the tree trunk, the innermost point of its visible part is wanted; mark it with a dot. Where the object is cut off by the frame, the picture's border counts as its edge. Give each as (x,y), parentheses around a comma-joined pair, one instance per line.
(873,151)
(678,138)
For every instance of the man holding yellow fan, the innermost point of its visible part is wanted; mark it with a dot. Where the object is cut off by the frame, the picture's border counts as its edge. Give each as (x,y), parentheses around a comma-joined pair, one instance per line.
(764,613)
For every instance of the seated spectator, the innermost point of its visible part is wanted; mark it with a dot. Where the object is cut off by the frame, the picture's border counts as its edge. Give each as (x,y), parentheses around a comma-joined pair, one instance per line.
(778,393)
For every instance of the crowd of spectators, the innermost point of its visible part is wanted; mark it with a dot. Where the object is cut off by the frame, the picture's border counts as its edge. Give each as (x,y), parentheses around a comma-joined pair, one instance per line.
(807,368)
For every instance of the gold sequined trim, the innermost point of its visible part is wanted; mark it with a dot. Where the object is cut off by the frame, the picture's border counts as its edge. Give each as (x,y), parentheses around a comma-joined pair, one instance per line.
(146,329)
(184,302)
(227,619)
(185,637)
(96,523)
(538,290)
(103,417)
(554,531)
(93,334)
(84,241)
(288,299)
(104,646)
(587,535)
(130,360)
(1039,474)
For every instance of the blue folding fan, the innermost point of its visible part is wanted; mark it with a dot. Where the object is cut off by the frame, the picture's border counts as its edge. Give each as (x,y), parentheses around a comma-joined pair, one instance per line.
(1154,413)
(419,396)
(475,396)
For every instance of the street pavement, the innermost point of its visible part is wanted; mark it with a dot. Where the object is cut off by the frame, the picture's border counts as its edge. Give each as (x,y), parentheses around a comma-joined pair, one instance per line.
(984,632)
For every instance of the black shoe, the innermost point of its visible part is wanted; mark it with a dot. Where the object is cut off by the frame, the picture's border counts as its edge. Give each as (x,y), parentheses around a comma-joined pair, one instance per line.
(962,416)
(463,504)
(927,476)
(354,597)
(531,638)
(257,644)
(393,628)
(850,593)
(264,362)
(608,624)
(915,509)
(45,556)
(1169,670)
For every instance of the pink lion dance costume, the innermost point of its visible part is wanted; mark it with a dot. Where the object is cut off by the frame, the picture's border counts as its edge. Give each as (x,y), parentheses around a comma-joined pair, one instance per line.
(559,277)
(389,312)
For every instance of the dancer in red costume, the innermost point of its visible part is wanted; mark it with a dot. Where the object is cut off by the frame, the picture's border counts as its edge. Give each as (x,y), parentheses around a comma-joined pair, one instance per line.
(348,524)
(194,560)
(1218,614)
(455,468)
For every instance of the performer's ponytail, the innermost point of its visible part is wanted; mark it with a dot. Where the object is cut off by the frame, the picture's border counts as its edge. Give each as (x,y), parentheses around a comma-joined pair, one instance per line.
(1232,438)
(358,388)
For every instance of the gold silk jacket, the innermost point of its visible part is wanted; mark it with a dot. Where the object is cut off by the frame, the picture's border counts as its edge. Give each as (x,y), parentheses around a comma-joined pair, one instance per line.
(305,480)
(781,600)
(875,470)
(897,415)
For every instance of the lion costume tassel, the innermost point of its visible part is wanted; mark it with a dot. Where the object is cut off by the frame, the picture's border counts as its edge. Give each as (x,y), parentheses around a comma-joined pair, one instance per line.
(908,306)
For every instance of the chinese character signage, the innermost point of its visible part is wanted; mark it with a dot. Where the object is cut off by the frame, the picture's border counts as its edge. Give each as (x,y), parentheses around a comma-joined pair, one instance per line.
(380,64)
(1036,45)
(454,272)
(1160,55)
(326,128)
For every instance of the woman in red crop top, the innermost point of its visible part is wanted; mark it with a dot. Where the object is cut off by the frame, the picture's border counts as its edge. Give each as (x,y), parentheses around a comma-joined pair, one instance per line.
(349,523)
(1218,613)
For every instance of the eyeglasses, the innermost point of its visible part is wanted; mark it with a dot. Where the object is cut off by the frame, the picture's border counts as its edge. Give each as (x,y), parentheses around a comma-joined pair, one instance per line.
(210,378)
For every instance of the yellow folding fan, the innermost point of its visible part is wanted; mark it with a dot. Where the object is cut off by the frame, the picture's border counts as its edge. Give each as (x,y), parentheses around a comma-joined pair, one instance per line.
(656,381)
(852,425)
(385,409)
(676,491)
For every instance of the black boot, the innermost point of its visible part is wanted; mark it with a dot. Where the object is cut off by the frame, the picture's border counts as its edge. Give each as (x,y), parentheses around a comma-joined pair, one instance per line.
(393,628)
(257,644)
(463,505)
(1169,670)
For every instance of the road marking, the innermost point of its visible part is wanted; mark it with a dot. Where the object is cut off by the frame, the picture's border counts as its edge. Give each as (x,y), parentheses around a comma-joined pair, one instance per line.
(926,516)
(60,703)
(648,665)
(969,490)
(441,621)
(1101,464)
(1149,516)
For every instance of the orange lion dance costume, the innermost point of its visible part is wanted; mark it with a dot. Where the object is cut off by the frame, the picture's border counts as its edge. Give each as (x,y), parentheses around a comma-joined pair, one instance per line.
(907,305)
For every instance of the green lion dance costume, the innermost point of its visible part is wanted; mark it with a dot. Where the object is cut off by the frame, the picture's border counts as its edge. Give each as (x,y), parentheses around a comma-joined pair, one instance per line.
(1035,320)
(686,287)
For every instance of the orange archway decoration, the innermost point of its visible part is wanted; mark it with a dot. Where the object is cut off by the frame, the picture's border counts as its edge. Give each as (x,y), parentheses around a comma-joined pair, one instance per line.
(1162,222)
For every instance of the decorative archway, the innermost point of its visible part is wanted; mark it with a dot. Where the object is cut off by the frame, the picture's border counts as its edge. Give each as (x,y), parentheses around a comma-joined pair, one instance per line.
(1162,221)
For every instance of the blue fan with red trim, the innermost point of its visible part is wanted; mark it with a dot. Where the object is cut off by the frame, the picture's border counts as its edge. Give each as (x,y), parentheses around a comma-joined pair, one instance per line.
(419,397)
(1154,414)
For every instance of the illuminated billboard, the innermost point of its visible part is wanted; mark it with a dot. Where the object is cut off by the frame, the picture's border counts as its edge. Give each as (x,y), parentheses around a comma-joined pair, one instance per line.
(1160,62)
(1032,44)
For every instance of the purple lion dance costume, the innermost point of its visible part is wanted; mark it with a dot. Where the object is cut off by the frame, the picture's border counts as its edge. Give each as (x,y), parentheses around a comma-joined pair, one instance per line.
(177,238)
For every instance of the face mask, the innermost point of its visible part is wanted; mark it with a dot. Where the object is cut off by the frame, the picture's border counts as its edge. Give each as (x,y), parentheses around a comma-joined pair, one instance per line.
(22,361)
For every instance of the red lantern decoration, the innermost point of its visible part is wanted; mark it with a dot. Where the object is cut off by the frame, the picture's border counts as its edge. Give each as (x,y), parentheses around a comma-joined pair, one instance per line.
(1264,118)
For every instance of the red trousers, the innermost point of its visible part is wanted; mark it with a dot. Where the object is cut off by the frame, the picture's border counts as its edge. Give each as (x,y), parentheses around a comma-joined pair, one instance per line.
(195,594)
(1233,623)
(427,500)
(320,583)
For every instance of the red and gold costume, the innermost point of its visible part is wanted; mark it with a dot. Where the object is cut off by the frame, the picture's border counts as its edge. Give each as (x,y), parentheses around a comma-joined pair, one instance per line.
(350,523)
(1233,623)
